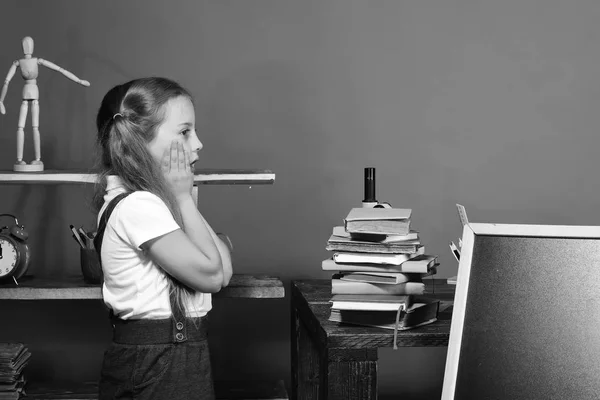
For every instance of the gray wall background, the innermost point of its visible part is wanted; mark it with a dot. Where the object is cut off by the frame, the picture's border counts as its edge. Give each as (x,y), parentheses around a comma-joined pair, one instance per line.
(491,104)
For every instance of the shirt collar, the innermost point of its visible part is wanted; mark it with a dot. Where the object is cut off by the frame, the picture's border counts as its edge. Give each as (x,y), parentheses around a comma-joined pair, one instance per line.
(114,182)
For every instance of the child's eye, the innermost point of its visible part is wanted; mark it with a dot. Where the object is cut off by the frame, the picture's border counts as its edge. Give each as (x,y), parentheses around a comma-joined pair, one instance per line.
(185,132)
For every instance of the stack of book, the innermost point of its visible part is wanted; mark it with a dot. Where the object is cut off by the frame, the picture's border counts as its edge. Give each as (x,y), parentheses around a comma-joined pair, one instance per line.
(13,360)
(379,264)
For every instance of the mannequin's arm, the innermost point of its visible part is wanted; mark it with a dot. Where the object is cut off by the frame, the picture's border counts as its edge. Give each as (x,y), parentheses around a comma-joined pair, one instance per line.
(63,71)
(9,76)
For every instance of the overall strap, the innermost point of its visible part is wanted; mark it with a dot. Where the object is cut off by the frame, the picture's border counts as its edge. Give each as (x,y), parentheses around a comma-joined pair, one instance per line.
(102,227)
(178,321)
(104,221)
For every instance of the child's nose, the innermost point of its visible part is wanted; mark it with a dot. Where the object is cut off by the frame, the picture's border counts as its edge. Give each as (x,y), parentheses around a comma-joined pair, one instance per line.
(196,143)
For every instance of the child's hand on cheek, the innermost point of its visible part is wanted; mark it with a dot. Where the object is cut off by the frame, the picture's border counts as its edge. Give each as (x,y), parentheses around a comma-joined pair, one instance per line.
(177,170)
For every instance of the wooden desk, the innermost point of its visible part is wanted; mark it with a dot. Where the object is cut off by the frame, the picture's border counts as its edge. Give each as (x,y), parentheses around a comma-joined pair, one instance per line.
(332,361)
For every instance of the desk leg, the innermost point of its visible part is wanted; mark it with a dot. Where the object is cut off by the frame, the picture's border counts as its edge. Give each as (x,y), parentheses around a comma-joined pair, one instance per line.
(319,373)
(331,374)
(308,364)
(351,374)
(294,332)
(312,367)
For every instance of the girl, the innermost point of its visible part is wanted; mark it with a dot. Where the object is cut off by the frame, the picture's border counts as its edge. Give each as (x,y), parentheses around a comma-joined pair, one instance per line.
(160,258)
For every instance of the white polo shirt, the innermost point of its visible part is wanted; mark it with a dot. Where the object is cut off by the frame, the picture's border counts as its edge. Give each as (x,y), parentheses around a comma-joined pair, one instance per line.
(134,286)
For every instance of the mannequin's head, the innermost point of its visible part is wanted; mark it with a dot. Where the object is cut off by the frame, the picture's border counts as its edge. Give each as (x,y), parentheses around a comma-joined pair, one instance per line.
(27,45)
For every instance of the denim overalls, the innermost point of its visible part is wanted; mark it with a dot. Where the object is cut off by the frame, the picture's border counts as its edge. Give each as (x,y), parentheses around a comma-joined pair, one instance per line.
(165,359)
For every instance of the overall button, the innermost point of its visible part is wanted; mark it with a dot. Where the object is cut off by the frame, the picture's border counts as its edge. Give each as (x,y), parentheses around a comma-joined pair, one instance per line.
(179,336)
(179,326)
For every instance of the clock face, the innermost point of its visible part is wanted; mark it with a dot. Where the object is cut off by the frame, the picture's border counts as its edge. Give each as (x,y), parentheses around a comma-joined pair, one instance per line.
(8,257)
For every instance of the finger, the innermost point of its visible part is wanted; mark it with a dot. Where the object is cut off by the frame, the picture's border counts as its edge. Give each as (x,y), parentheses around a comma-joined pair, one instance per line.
(181,154)
(186,156)
(173,165)
(164,165)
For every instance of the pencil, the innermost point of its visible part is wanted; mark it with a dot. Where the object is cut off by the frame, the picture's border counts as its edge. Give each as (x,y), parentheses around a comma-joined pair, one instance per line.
(76,236)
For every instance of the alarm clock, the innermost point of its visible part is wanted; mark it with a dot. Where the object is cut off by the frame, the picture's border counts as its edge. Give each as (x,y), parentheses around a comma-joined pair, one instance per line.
(14,251)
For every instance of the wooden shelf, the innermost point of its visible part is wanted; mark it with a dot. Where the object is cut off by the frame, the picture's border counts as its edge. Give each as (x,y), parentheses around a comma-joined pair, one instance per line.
(230,390)
(74,288)
(62,391)
(202,176)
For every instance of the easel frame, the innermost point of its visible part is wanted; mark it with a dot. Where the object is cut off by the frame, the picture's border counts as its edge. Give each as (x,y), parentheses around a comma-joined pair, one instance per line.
(470,231)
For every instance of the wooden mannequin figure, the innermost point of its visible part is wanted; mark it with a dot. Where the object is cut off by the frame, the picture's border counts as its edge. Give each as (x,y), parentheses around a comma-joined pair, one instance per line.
(29,71)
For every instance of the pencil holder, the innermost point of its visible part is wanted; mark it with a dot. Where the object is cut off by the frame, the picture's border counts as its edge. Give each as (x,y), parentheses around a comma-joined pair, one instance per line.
(90,266)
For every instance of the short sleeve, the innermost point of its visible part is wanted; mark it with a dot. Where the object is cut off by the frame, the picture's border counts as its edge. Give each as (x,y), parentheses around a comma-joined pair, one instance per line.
(143,216)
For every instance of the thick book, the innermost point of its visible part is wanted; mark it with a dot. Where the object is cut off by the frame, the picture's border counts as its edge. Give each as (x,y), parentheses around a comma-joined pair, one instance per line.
(384,278)
(340,231)
(336,243)
(340,286)
(388,221)
(375,302)
(418,314)
(420,265)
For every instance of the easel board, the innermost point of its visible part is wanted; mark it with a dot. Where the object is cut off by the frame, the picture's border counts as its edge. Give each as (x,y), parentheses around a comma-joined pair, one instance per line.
(526,319)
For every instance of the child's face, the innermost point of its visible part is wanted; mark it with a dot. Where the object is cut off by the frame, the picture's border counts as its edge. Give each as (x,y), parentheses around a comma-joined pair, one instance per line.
(179,125)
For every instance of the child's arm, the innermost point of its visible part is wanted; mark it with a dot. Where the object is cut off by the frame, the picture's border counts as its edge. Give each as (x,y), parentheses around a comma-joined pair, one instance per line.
(226,260)
(147,224)
(223,251)
(202,235)
(205,238)
(189,254)
(226,255)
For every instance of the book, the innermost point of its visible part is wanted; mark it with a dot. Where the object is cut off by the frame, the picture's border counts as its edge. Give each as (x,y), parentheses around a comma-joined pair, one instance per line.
(13,359)
(340,286)
(418,314)
(355,257)
(10,395)
(388,221)
(352,257)
(376,302)
(340,231)
(420,264)
(336,243)
(16,385)
(387,278)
